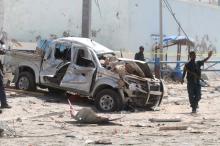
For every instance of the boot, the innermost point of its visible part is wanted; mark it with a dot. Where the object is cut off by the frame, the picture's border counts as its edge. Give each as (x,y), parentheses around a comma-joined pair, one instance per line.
(5,106)
(194,110)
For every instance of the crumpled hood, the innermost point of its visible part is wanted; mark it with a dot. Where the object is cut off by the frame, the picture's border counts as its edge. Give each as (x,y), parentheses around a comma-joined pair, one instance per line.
(141,64)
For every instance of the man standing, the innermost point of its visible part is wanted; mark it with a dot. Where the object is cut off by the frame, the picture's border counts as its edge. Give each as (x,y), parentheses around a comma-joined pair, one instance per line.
(3,100)
(193,70)
(140,54)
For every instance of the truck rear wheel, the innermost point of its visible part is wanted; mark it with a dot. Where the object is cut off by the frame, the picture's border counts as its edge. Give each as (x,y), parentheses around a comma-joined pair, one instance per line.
(108,100)
(26,81)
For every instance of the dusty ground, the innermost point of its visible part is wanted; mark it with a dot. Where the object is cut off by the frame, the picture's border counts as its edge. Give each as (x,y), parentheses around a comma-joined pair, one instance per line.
(45,121)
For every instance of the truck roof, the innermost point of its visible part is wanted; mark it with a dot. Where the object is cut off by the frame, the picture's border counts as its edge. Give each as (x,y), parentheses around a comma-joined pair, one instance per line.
(98,48)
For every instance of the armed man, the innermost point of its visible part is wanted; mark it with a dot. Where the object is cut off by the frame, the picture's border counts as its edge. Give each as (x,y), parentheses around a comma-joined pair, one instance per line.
(193,70)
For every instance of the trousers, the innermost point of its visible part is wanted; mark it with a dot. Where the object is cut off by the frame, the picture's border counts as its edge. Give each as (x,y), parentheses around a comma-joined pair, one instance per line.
(2,91)
(194,92)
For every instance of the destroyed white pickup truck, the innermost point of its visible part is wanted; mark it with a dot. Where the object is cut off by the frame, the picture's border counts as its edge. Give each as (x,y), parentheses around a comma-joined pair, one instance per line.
(83,66)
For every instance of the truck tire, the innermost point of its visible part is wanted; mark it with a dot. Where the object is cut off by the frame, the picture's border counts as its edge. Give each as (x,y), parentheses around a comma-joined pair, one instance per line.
(108,100)
(26,81)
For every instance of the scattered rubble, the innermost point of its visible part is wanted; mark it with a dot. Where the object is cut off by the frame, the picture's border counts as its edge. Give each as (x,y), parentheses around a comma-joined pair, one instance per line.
(6,131)
(14,92)
(33,123)
(165,120)
(101,142)
(173,128)
(88,116)
(19,119)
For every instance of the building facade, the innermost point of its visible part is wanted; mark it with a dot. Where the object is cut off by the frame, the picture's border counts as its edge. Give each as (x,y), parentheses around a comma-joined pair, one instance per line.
(118,24)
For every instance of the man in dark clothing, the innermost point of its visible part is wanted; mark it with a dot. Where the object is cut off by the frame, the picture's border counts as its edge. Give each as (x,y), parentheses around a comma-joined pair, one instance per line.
(140,54)
(3,100)
(193,70)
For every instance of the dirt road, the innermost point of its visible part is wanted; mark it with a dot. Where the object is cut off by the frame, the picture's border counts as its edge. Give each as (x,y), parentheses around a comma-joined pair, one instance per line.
(45,121)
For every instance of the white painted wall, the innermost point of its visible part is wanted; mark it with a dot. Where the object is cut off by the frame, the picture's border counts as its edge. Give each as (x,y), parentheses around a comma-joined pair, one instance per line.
(1,13)
(26,19)
(110,23)
(139,19)
(118,24)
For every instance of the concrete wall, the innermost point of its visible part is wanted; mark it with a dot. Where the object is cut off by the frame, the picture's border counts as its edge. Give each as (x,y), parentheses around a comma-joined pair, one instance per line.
(118,24)
(26,19)
(212,2)
(127,24)
(1,13)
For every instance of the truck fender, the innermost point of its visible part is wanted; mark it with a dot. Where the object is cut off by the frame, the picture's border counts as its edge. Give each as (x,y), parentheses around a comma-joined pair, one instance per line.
(33,67)
(107,83)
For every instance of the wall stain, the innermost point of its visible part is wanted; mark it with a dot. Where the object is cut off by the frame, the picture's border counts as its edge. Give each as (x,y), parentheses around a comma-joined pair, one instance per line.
(204,44)
(117,15)
(95,32)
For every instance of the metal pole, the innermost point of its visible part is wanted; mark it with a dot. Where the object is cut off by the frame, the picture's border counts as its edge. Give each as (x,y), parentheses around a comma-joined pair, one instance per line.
(161,30)
(86,18)
(218,2)
(158,59)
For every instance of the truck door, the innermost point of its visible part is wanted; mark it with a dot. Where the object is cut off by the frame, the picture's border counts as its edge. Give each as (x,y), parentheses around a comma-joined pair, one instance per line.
(56,59)
(80,73)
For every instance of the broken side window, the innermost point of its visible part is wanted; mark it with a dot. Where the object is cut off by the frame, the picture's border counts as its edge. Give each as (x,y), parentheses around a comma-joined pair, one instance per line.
(84,58)
(63,52)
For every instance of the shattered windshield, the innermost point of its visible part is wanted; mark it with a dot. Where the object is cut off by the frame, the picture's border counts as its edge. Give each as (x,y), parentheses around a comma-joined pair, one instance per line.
(100,49)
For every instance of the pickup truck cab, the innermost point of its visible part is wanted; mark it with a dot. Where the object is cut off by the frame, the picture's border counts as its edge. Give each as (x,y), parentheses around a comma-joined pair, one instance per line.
(83,66)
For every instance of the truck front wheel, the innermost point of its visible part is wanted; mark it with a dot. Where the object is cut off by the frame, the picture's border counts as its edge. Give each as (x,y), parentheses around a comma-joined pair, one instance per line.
(108,100)
(26,81)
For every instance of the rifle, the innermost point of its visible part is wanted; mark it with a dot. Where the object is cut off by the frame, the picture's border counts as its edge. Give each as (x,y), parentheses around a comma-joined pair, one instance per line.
(196,76)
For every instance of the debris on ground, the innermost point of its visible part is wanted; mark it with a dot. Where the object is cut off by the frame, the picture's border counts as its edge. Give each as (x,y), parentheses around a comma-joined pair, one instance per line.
(71,136)
(88,116)
(142,125)
(13,94)
(31,122)
(1,132)
(165,120)
(101,142)
(19,119)
(5,130)
(139,125)
(36,94)
(173,128)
